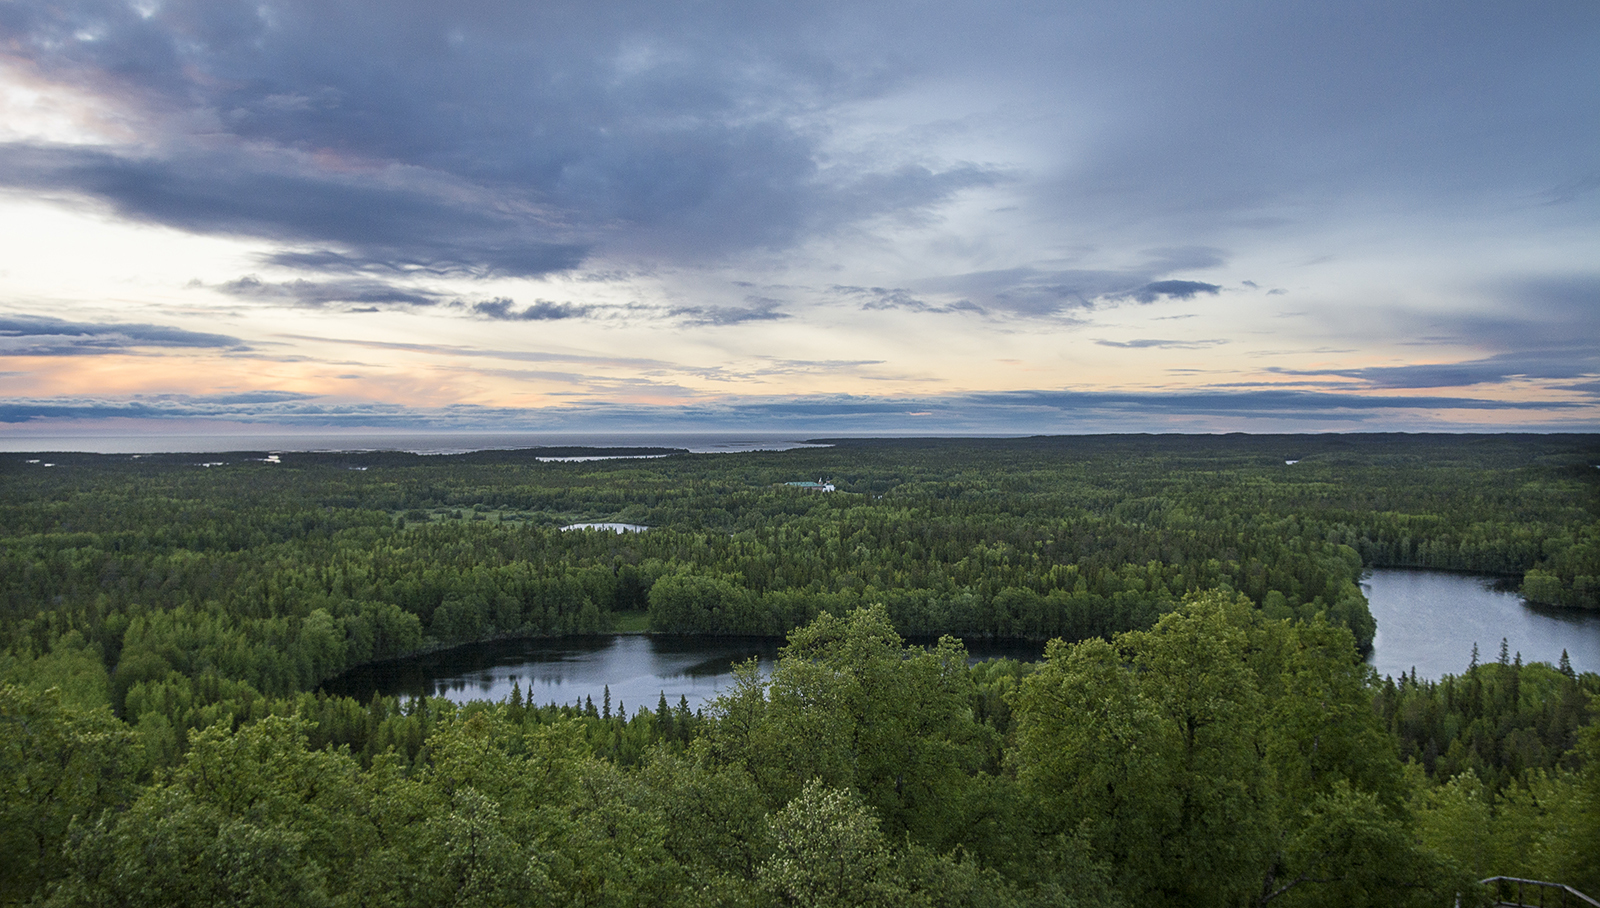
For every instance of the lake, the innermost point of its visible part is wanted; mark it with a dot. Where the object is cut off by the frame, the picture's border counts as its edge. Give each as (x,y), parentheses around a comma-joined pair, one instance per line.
(638,668)
(1426,619)
(1431,619)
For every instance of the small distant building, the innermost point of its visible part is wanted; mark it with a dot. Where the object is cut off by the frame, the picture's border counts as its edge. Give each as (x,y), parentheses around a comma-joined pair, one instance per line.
(818,486)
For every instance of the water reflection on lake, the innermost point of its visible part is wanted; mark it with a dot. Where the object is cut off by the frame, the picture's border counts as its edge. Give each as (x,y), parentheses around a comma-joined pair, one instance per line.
(637,668)
(1431,619)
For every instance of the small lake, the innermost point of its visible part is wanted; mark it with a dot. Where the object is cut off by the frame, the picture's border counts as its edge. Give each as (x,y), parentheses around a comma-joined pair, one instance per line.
(1431,619)
(638,669)
(1426,619)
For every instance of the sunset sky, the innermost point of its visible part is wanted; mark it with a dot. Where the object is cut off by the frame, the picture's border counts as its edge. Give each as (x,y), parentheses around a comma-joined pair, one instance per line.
(817,218)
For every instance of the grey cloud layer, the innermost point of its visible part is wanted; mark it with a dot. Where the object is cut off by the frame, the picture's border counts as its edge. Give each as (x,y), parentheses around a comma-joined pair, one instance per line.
(40,336)
(1041,410)
(496,138)
(357,292)
(1036,293)
(385,149)
(518,138)
(1561,363)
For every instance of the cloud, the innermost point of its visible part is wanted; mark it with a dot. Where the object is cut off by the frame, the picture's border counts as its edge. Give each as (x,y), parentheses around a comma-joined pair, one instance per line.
(1031,292)
(300,292)
(1145,343)
(1573,297)
(392,218)
(1012,412)
(1012,161)
(526,138)
(1166,259)
(1259,402)
(502,309)
(367,295)
(454,350)
(1182,290)
(759,310)
(504,139)
(1558,363)
(881,298)
(22,335)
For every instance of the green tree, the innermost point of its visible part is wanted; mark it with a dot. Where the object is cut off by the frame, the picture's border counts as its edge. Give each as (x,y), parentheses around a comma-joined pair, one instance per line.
(830,853)
(1221,758)
(851,705)
(61,764)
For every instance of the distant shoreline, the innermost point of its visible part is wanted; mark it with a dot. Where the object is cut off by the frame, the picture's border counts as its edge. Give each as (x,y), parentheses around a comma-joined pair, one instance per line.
(558,444)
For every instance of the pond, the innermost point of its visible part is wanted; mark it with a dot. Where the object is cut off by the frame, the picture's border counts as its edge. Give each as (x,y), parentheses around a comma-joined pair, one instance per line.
(1426,619)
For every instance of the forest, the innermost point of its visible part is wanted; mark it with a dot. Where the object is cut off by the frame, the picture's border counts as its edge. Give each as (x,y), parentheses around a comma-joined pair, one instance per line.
(1201,731)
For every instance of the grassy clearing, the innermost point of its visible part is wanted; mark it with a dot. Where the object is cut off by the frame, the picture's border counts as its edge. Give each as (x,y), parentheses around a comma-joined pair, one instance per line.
(631,622)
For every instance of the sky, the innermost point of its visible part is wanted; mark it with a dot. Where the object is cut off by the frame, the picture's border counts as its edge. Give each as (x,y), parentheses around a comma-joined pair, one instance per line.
(812,218)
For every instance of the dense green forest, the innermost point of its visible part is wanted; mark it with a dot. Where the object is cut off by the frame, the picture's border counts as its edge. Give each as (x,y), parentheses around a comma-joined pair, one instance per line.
(1203,733)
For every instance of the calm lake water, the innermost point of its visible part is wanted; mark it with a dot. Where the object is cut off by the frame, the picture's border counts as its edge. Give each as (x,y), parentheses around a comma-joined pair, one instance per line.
(638,669)
(1426,619)
(1431,619)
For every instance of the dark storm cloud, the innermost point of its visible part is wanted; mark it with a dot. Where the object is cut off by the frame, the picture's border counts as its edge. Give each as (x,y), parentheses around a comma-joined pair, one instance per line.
(491,138)
(520,138)
(22,335)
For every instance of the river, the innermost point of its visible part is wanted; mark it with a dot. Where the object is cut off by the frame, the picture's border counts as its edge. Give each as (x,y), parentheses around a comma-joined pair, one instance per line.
(1426,619)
